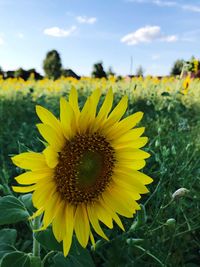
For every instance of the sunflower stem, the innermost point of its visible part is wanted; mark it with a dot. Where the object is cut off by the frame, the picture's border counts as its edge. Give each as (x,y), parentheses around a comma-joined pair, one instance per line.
(36,244)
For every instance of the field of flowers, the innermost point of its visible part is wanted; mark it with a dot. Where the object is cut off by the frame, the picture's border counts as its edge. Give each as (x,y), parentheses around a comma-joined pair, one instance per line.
(166,231)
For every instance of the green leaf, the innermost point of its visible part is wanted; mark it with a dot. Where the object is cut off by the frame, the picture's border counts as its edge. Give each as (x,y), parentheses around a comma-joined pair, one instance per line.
(47,240)
(78,257)
(16,259)
(12,210)
(8,236)
(27,200)
(5,249)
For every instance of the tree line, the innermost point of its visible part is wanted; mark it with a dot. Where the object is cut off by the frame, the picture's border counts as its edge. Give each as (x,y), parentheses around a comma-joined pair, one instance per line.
(53,69)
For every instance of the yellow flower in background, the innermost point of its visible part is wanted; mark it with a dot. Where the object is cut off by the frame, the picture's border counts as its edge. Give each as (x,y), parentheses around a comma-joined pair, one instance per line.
(88,173)
(186,84)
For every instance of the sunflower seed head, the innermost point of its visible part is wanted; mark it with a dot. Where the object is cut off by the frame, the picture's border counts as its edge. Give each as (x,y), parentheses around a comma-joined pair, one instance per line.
(181,192)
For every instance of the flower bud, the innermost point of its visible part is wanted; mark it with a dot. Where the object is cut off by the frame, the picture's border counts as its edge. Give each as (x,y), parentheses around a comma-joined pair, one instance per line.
(181,192)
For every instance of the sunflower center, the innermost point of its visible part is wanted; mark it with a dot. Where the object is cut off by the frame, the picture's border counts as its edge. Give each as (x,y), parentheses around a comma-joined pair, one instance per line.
(85,168)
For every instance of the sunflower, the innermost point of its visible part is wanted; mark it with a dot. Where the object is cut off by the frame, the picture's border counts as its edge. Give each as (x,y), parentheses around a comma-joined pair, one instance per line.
(88,172)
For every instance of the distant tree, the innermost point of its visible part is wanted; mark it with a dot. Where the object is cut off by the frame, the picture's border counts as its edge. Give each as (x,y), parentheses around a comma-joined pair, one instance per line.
(98,70)
(26,74)
(34,74)
(52,65)
(21,73)
(1,72)
(110,72)
(69,73)
(177,67)
(140,71)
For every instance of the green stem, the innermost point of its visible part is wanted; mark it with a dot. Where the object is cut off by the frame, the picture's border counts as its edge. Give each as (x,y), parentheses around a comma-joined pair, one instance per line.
(151,255)
(36,244)
(46,257)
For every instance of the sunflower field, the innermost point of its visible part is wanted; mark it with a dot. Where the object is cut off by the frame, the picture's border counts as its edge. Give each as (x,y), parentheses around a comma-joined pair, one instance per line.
(48,221)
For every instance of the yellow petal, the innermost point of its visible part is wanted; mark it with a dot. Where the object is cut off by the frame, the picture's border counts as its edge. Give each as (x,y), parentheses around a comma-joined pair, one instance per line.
(67,118)
(34,177)
(138,143)
(30,161)
(51,156)
(143,178)
(94,221)
(69,218)
(73,101)
(117,112)
(92,240)
(58,224)
(50,135)
(48,118)
(89,111)
(130,136)
(130,154)
(81,225)
(24,189)
(112,214)
(103,216)
(51,207)
(120,128)
(36,214)
(132,165)
(106,107)
(117,204)
(128,187)
(42,193)
(125,196)
(132,180)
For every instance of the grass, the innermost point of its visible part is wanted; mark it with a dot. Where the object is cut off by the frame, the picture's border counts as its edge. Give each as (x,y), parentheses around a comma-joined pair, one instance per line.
(173,127)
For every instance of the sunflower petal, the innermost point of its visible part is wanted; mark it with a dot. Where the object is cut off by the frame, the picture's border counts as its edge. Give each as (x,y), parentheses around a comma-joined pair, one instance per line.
(94,221)
(69,217)
(81,225)
(30,161)
(73,101)
(66,118)
(120,128)
(48,118)
(58,224)
(33,177)
(24,189)
(51,157)
(51,136)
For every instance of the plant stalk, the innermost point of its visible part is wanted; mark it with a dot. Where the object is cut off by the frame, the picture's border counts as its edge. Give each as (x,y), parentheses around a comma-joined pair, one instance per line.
(36,244)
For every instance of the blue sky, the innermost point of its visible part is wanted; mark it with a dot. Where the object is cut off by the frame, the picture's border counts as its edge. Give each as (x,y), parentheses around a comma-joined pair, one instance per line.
(153,32)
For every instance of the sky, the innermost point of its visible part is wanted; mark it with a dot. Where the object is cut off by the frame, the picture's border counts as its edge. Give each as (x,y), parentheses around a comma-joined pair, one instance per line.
(150,33)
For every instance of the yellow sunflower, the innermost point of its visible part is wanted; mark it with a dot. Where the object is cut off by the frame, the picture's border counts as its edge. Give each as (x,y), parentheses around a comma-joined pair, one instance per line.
(88,173)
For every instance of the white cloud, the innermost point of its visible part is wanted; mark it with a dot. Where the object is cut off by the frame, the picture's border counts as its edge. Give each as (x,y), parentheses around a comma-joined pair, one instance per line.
(162,3)
(191,8)
(1,41)
(169,39)
(147,34)
(142,35)
(58,32)
(86,20)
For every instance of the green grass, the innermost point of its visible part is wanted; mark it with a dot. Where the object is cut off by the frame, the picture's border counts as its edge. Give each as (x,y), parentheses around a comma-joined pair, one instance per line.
(174,143)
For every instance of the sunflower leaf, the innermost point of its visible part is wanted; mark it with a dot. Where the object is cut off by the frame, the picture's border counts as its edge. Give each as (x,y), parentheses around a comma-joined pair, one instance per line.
(12,210)
(77,257)
(16,259)
(47,240)
(8,236)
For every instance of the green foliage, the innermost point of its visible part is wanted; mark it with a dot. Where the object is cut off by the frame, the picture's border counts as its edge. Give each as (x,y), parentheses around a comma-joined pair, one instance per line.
(52,65)
(177,67)
(12,210)
(163,233)
(98,70)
